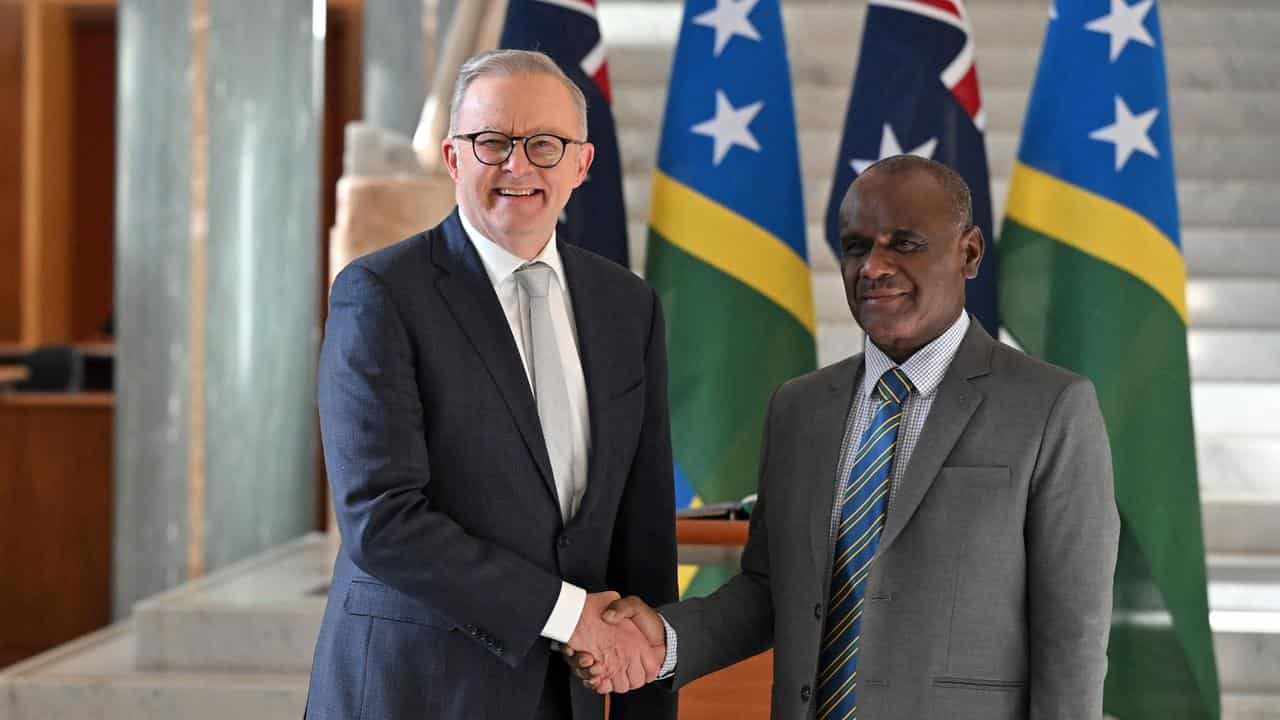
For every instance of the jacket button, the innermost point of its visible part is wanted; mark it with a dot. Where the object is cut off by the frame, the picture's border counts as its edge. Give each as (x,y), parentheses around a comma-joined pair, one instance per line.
(805,694)
(817,611)
(564,541)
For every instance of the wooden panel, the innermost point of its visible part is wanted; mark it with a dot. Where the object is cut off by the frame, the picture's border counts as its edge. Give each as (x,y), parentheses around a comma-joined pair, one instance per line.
(11,43)
(342,100)
(45,303)
(93,106)
(740,692)
(56,502)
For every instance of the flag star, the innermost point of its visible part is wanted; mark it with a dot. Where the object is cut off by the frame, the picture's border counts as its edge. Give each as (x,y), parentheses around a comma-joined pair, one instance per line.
(889,146)
(1128,133)
(1125,23)
(729,127)
(1053,11)
(729,18)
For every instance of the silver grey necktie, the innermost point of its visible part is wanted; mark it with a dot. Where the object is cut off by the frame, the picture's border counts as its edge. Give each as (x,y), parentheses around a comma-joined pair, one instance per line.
(549,387)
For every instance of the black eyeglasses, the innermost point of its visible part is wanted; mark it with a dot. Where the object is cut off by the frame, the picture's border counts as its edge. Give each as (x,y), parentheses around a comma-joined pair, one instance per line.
(493,148)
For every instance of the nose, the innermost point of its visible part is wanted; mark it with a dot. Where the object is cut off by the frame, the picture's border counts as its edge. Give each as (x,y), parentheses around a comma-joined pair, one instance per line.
(517,162)
(878,264)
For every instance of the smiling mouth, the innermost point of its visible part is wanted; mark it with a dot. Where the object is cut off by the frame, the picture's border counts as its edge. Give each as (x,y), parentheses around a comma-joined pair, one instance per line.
(517,192)
(883,297)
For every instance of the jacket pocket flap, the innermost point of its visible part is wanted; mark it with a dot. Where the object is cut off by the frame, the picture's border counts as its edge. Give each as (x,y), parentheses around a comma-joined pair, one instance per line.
(978,683)
(377,600)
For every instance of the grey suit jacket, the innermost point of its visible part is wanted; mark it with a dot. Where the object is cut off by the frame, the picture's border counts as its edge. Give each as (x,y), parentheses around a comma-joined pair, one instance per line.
(990,594)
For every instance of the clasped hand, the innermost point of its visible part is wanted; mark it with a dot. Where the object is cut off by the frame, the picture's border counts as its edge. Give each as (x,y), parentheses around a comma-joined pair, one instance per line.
(618,645)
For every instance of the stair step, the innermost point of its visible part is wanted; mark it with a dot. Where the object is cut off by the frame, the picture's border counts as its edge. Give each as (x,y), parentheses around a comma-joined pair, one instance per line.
(1237,252)
(262,614)
(1242,525)
(1250,706)
(1235,356)
(1239,467)
(1234,303)
(1236,408)
(96,676)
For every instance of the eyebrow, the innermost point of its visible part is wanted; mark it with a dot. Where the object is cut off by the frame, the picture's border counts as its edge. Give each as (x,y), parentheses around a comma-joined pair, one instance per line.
(897,233)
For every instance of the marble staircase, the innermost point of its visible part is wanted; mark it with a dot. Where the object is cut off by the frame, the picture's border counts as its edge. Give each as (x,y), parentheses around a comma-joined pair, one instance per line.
(238,642)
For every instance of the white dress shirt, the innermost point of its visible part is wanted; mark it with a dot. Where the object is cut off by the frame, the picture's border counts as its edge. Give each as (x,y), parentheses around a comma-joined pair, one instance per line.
(500,265)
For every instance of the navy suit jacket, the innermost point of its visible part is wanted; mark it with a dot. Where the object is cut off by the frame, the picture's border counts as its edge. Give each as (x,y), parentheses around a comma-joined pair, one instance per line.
(453,548)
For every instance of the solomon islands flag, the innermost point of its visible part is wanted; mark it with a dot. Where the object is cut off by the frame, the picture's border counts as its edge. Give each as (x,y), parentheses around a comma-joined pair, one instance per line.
(1093,279)
(726,248)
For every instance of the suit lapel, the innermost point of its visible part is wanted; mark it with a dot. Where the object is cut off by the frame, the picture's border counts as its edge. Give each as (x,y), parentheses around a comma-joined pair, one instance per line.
(952,409)
(591,317)
(470,296)
(829,418)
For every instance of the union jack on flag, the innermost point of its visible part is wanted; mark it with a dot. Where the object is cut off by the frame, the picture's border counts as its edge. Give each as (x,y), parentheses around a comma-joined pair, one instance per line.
(567,31)
(916,92)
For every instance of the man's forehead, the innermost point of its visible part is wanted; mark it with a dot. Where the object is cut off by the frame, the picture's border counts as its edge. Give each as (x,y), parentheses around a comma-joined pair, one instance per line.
(908,195)
(535,89)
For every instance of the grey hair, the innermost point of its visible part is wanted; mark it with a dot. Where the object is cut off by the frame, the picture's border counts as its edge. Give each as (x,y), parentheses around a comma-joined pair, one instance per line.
(506,63)
(949,180)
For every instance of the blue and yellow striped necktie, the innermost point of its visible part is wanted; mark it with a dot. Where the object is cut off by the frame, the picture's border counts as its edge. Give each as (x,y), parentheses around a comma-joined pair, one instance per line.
(864,506)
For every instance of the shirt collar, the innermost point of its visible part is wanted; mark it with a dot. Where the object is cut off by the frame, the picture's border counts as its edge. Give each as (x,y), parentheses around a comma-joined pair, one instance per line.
(925,368)
(500,264)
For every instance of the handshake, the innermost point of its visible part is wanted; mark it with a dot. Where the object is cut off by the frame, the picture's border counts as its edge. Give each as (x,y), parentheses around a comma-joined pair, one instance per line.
(618,645)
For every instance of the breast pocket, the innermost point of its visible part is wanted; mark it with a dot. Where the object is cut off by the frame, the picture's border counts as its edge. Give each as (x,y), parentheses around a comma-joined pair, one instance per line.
(981,507)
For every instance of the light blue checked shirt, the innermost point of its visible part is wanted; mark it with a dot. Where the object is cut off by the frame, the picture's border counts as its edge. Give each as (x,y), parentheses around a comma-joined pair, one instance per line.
(925,370)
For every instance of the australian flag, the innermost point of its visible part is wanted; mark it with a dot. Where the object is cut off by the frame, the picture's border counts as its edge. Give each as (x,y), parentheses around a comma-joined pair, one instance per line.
(568,32)
(916,92)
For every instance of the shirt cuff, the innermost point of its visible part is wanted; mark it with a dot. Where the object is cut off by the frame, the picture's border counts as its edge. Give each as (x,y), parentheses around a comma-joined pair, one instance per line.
(565,614)
(669,660)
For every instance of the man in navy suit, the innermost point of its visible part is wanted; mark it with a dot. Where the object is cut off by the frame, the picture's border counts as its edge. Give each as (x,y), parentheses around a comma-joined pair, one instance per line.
(493,405)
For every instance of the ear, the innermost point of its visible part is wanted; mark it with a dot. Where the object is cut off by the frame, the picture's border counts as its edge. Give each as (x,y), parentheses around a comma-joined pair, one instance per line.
(972,248)
(450,153)
(586,154)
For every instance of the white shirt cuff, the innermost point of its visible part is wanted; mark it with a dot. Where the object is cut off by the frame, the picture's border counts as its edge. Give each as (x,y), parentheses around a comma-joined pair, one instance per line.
(565,614)
(669,660)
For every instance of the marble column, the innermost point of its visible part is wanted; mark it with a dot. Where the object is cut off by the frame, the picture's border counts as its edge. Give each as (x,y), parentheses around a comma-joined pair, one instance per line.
(217,283)
(394,64)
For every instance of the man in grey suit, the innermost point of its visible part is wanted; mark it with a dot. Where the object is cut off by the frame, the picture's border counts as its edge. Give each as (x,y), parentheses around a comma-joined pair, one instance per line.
(966,570)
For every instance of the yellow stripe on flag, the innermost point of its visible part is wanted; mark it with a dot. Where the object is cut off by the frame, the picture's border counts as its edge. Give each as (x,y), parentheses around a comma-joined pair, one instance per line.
(733,244)
(1099,227)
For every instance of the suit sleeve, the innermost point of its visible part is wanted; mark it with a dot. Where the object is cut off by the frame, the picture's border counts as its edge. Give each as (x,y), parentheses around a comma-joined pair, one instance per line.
(642,556)
(736,621)
(371,421)
(1072,536)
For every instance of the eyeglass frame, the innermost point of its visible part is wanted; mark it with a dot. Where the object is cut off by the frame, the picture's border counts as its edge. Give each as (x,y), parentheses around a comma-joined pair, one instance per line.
(524,142)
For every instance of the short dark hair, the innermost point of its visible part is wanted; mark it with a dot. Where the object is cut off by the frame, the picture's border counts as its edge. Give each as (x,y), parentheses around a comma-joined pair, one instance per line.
(949,180)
